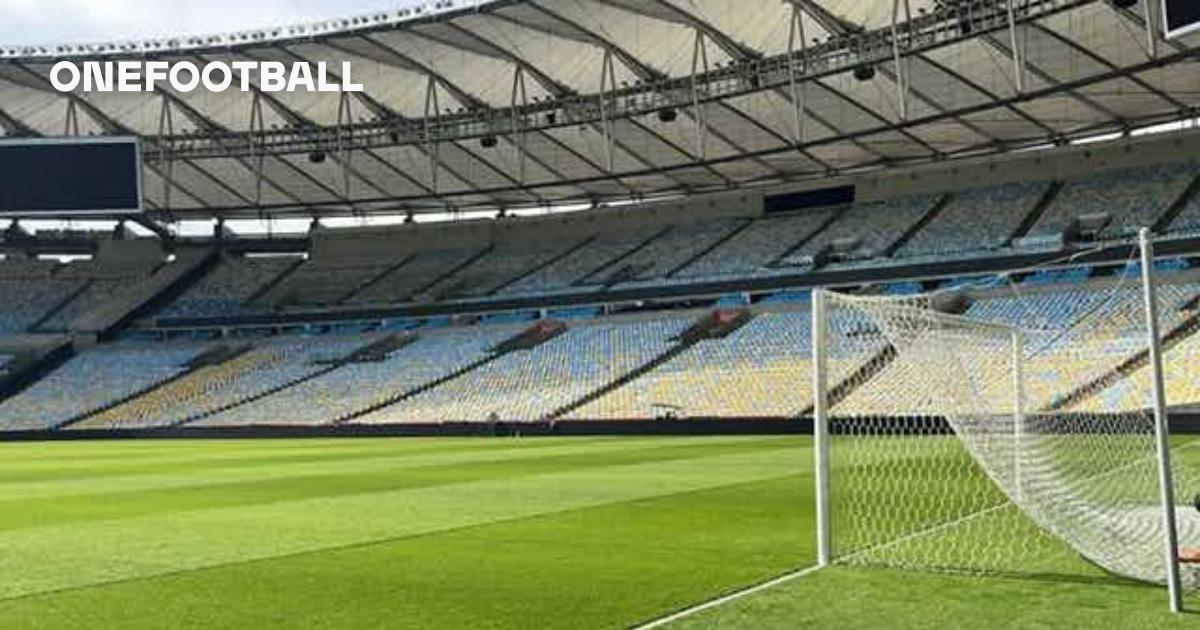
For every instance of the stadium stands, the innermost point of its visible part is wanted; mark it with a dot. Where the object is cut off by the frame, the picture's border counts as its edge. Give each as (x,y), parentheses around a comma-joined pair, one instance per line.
(760,369)
(752,250)
(103,280)
(563,274)
(226,289)
(292,363)
(530,384)
(461,374)
(631,366)
(500,267)
(976,220)
(419,273)
(356,386)
(871,227)
(93,380)
(202,389)
(669,251)
(585,256)
(1132,198)
(31,291)
(1188,219)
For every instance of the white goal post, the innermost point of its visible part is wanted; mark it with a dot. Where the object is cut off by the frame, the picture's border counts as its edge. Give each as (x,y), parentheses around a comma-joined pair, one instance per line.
(1015,437)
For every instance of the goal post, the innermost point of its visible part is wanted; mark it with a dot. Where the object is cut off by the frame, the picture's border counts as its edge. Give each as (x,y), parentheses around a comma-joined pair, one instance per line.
(1162,429)
(999,433)
(821,426)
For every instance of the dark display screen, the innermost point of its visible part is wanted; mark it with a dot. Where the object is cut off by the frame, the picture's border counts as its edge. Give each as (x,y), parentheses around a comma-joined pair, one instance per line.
(1182,16)
(69,177)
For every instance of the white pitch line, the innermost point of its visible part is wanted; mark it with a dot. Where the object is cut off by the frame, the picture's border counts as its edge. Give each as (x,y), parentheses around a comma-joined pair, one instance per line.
(725,599)
(783,579)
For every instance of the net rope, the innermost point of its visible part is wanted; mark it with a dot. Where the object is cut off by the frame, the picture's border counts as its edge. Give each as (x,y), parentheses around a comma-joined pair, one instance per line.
(983,441)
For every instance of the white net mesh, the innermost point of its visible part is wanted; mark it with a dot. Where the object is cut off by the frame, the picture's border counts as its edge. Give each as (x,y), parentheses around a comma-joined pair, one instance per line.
(983,442)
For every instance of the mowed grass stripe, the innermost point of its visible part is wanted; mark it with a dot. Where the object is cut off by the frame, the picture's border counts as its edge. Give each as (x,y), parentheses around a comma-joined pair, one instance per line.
(239,487)
(80,554)
(92,460)
(600,567)
(187,472)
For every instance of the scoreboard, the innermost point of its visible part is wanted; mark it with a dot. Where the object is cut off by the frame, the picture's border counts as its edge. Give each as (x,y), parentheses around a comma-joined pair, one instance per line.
(70,177)
(1181,17)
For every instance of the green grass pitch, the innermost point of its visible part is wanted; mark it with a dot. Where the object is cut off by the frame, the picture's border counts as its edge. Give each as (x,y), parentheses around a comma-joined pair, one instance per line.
(478,533)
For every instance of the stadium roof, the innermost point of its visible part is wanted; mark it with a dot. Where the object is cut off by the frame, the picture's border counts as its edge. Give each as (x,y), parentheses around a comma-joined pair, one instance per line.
(532,102)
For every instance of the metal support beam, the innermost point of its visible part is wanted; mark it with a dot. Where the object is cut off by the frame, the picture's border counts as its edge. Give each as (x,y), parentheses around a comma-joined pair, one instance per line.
(520,100)
(71,121)
(345,131)
(166,127)
(898,58)
(699,64)
(608,82)
(1014,42)
(798,89)
(1149,14)
(257,153)
(432,114)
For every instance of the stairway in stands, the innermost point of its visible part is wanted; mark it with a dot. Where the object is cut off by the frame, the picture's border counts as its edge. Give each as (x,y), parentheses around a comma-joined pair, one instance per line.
(715,325)
(33,358)
(427,291)
(1036,212)
(1177,207)
(196,365)
(376,279)
(728,236)
(207,372)
(549,262)
(369,352)
(914,229)
(1137,361)
(528,339)
(601,274)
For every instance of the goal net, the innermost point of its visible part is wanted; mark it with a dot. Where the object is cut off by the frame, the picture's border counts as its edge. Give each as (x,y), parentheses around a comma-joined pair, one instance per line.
(1001,434)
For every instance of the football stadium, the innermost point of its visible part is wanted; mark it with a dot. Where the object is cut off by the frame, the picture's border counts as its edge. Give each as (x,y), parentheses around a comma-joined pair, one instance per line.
(601,314)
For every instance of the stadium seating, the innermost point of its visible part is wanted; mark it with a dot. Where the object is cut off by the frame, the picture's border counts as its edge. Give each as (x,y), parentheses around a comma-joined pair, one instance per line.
(761,369)
(528,385)
(180,399)
(31,290)
(293,362)
(752,250)
(1133,198)
(225,290)
(602,249)
(103,281)
(674,248)
(93,380)
(498,268)
(404,283)
(875,226)
(976,220)
(321,284)
(356,387)
(1188,219)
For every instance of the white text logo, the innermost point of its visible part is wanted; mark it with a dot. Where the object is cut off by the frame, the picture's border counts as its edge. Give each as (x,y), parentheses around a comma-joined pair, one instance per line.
(185,76)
